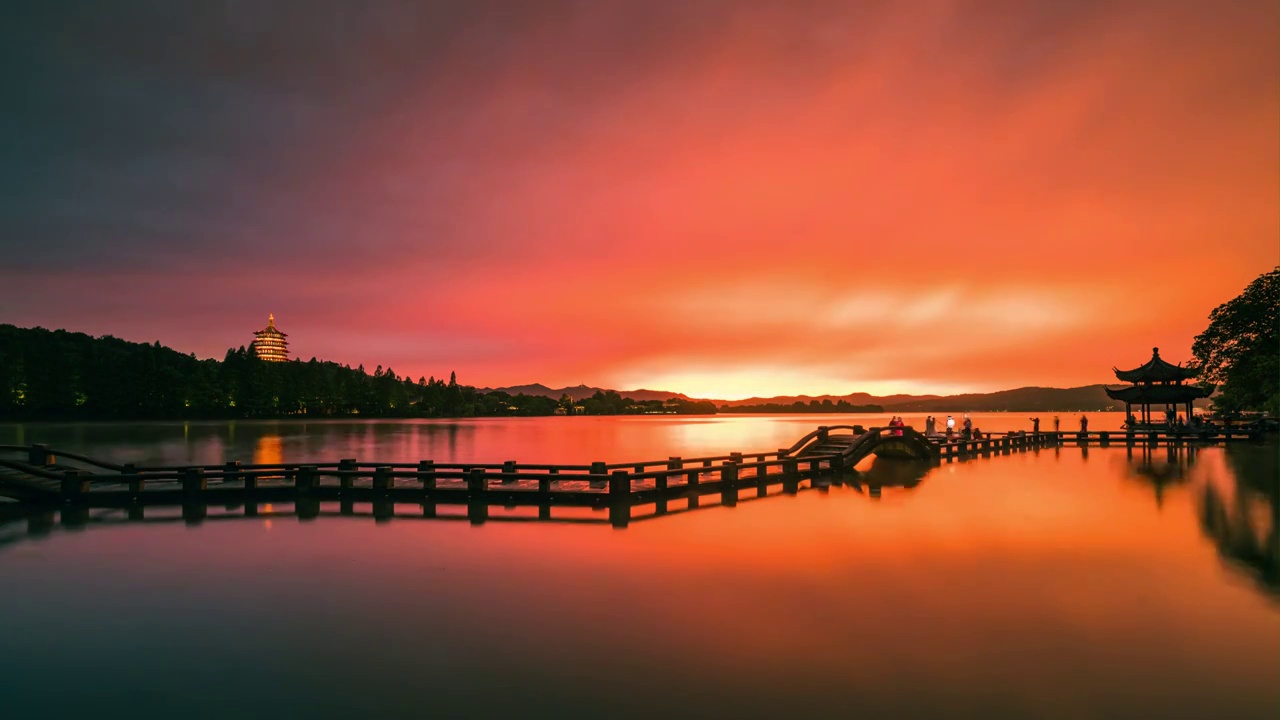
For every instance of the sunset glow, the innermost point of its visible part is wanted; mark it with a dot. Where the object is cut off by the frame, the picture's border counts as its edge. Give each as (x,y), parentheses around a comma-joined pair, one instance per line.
(723,199)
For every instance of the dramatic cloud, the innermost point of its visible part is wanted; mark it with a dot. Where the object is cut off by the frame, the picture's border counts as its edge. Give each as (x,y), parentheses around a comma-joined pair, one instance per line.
(717,197)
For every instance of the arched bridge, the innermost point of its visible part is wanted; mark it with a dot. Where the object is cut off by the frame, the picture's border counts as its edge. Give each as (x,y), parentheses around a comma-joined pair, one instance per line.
(852,444)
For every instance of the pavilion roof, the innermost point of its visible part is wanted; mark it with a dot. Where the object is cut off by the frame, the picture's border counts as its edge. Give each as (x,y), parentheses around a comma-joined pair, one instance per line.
(1159,394)
(1156,370)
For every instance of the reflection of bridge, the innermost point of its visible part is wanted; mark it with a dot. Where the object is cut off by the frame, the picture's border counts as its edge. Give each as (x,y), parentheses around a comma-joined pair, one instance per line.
(42,477)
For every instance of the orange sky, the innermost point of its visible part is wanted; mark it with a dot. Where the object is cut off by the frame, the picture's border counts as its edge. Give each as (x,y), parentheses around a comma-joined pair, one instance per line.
(724,200)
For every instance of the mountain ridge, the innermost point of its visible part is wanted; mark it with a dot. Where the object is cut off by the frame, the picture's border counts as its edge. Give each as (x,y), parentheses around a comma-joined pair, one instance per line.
(1032,398)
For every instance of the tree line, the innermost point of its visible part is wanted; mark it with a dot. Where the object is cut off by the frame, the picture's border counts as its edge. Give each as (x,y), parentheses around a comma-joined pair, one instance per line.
(57,374)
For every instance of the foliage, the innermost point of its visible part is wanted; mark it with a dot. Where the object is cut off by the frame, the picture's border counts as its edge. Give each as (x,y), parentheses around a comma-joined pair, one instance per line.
(58,374)
(1240,350)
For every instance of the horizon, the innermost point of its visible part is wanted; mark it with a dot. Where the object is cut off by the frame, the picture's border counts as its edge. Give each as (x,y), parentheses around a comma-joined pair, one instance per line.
(624,392)
(724,199)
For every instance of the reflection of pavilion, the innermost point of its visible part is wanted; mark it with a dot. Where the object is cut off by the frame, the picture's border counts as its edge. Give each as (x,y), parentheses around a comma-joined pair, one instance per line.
(1160,467)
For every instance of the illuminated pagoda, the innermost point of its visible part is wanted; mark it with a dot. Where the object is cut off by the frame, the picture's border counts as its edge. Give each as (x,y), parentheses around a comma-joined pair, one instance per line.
(1157,383)
(269,343)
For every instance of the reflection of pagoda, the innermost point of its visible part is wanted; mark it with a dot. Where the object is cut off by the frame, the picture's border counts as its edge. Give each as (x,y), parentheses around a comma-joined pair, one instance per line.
(270,344)
(1157,383)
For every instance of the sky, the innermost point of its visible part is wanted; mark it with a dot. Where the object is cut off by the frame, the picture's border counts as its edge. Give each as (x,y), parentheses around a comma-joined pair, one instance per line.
(724,198)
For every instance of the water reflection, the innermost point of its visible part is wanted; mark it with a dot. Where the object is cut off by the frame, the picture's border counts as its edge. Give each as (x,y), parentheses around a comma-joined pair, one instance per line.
(269,451)
(1161,468)
(889,473)
(1007,573)
(1243,519)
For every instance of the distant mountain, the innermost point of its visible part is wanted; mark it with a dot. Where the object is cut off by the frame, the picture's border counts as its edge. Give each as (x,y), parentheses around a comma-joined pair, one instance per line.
(1027,399)
(852,398)
(582,392)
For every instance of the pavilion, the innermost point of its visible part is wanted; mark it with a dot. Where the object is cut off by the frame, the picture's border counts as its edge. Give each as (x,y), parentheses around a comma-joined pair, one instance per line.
(1157,383)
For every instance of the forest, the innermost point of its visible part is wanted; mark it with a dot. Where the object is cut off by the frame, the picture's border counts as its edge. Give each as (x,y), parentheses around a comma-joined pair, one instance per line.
(61,375)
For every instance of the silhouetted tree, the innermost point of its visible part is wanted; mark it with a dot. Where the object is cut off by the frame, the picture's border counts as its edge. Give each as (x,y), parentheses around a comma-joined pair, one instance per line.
(1240,350)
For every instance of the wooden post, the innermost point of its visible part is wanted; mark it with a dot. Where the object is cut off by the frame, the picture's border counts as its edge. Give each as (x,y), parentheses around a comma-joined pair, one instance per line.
(307,507)
(1104,437)
(598,471)
(691,484)
(427,474)
(544,490)
(40,456)
(74,485)
(383,510)
(663,484)
(791,476)
(815,467)
(194,513)
(305,479)
(193,482)
(382,480)
(477,500)
(729,483)
(823,433)
(129,474)
(762,478)
(508,472)
(231,471)
(619,499)
(346,473)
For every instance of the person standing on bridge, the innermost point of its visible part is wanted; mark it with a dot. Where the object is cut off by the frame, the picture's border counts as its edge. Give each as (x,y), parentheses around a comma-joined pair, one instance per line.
(1035,425)
(930,426)
(968,428)
(951,426)
(1084,424)
(1055,423)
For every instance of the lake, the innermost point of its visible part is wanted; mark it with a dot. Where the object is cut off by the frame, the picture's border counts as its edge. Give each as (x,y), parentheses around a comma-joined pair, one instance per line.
(1058,583)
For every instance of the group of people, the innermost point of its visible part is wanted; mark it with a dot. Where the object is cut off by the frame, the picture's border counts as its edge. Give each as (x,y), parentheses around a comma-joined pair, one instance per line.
(967,431)
(897,422)
(1084,423)
(1174,421)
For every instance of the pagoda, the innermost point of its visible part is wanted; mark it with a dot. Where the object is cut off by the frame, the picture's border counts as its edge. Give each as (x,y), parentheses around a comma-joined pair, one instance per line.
(1157,383)
(269,343)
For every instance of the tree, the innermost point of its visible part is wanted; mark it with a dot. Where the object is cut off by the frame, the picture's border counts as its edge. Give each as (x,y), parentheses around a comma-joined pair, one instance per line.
(1240,350)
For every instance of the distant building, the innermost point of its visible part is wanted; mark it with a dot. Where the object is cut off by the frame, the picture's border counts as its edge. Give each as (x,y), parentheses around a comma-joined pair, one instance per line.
(270,344)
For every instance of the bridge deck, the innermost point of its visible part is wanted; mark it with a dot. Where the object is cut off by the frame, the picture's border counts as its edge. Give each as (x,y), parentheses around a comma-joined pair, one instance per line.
(43,476)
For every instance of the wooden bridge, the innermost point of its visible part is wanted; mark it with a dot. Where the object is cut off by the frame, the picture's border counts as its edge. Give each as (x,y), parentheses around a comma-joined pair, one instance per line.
(35,475)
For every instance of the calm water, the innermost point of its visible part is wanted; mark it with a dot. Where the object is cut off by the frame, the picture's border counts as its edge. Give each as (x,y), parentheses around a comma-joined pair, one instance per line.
(1058,584)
